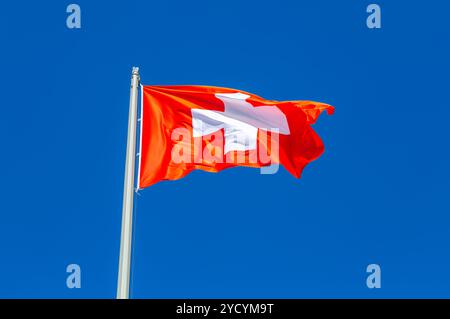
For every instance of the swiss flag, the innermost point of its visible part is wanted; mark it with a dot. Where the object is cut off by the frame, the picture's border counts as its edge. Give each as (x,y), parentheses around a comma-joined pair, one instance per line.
(211,128)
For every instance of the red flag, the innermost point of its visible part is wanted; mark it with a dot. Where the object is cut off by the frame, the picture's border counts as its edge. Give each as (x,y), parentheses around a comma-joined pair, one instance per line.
(211,128)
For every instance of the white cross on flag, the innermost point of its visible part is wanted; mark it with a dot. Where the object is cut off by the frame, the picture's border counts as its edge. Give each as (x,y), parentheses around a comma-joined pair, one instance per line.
(240,121)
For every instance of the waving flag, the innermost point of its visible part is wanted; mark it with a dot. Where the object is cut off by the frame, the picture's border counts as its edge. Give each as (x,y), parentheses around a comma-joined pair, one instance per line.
(211,128)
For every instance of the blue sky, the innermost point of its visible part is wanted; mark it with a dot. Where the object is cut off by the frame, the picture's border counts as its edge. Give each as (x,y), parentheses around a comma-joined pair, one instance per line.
(379,194)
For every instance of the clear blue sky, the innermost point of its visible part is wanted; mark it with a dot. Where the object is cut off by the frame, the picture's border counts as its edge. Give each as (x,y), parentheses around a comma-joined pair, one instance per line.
(379,194)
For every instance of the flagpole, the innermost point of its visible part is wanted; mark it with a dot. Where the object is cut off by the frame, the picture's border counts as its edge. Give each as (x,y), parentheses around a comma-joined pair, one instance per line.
(123,280)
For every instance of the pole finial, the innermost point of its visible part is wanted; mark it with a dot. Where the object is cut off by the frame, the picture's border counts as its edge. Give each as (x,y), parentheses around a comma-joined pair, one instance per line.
(135,70)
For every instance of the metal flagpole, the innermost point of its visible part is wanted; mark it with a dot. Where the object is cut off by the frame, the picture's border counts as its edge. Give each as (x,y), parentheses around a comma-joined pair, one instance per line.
(123,281)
